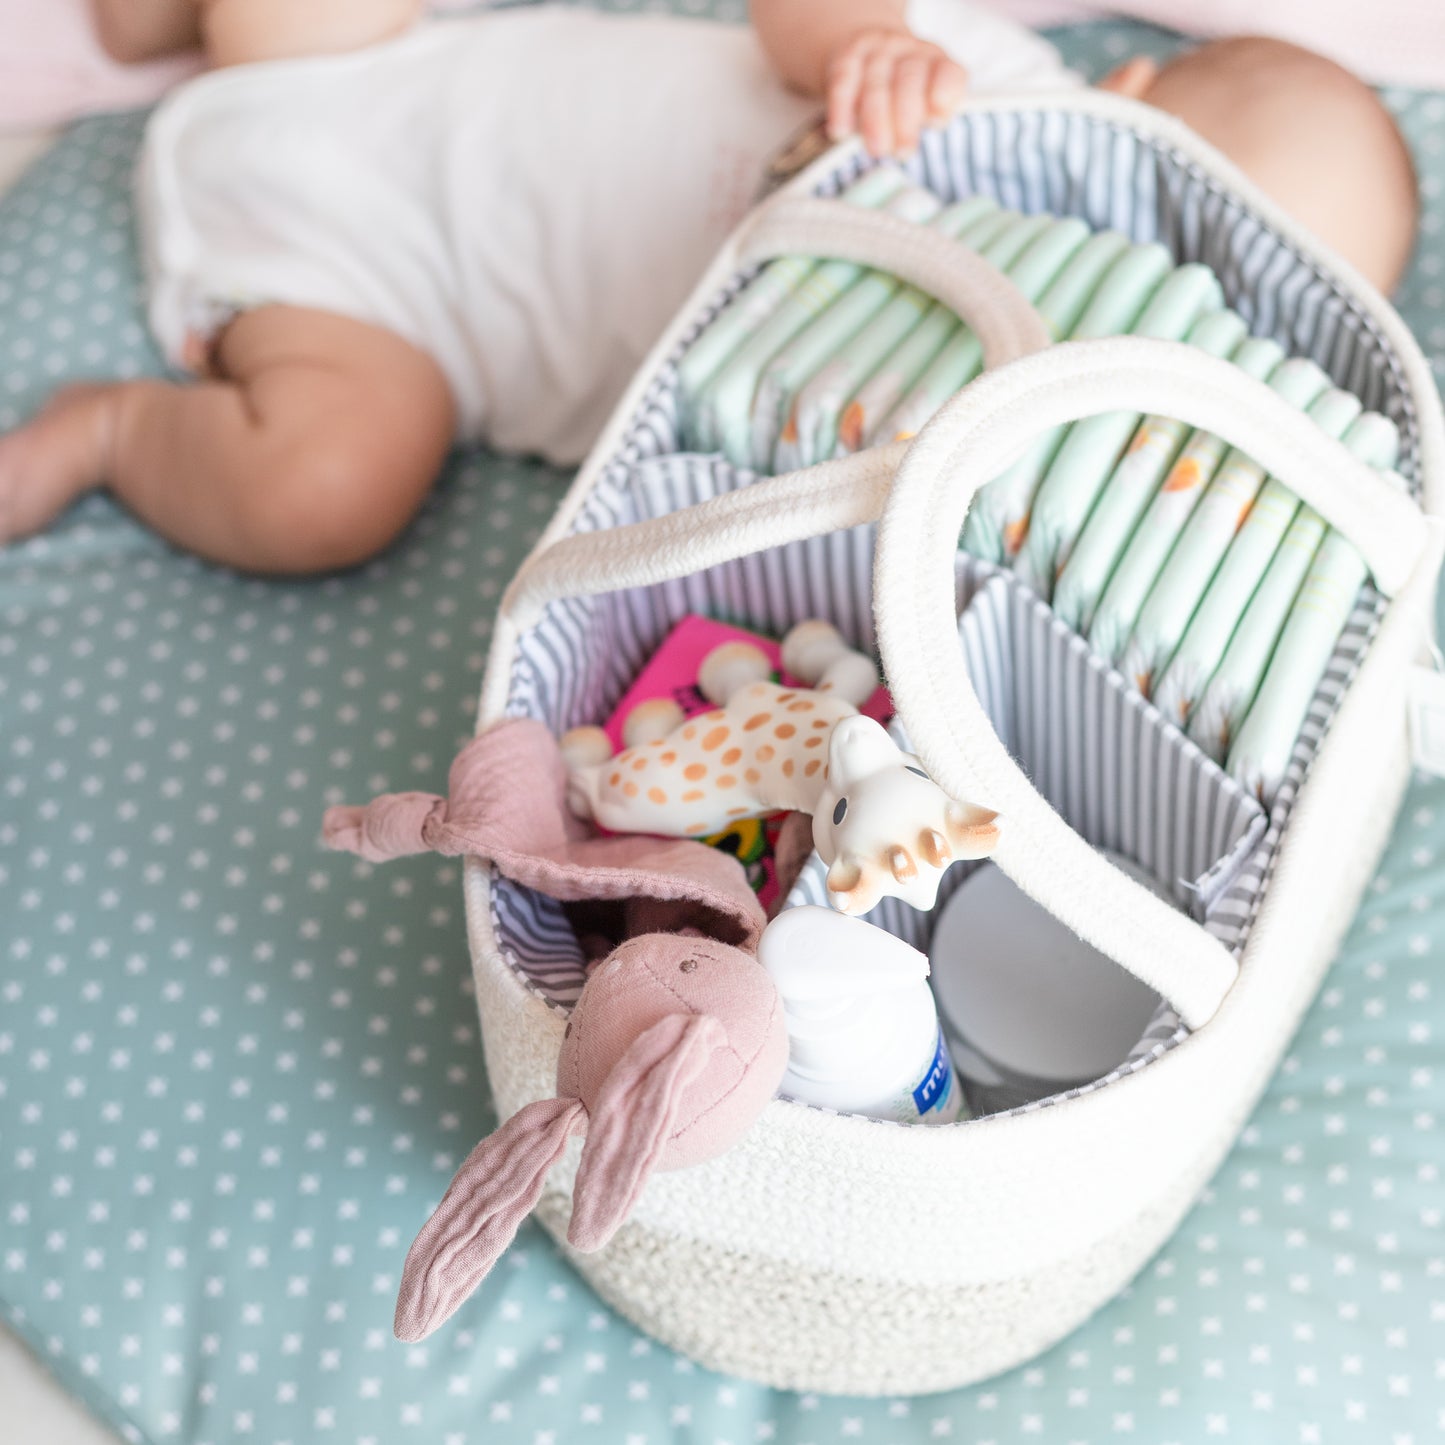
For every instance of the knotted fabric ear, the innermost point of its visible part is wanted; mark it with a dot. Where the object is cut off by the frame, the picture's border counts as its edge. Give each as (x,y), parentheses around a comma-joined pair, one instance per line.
(487,1200)
(506,802)
(392,826)
(635,1113)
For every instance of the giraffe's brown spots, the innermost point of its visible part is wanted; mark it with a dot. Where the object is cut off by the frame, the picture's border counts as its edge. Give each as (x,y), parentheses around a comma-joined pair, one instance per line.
(638,766)
(692,795)
(613,781)
(752,775)
(813,743)
(802,705)
(737,812)
(655,743)
(728,780)
(668,758)
(731,756)
(812,768)
(630,789)
(787,767)
(756,721)
(656,795)
(693,771)
(765,753)
(784,731)
(786,696)
(821,722)
(697,828)
(714,740)
(689,732)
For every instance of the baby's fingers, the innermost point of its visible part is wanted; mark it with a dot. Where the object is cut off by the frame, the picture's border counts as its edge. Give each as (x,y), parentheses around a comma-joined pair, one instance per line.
(845,82)
(875,104)
(947,86)
(911,80)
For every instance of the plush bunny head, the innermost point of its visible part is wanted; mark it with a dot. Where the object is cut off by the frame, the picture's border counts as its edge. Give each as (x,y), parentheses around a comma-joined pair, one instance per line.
(885,827)
(675,1045)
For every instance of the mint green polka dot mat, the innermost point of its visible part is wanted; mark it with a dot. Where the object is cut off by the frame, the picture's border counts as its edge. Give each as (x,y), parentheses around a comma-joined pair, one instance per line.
(236,1071)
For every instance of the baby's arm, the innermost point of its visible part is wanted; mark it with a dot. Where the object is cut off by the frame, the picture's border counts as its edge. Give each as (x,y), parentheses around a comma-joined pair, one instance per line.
(135,30)
(878,77)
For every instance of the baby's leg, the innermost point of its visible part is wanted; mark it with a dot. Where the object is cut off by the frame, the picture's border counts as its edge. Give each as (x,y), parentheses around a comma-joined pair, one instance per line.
(311,451)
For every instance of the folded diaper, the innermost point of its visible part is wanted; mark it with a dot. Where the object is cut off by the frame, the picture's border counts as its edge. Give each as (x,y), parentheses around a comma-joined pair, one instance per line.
(960,358)
(1226,697)
(822,419)
(998,517)
(1244,564)
(1261,750)
(720,371)
(872,414)
(1173,504)
(1134,482)
(1115,305)
(1206,536)
(773,416)
(1095,444)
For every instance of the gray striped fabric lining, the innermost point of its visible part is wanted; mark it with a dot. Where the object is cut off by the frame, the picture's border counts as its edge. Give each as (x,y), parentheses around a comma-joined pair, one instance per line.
(578,661)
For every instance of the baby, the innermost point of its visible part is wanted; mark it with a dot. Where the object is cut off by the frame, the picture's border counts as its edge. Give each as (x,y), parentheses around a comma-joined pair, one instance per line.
(372,237)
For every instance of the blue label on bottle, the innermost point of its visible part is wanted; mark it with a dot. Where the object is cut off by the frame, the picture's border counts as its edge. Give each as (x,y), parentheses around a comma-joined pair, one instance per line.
(937,1083)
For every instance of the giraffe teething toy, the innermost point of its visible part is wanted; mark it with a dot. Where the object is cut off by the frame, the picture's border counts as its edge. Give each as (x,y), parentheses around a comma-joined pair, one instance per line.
(883,826)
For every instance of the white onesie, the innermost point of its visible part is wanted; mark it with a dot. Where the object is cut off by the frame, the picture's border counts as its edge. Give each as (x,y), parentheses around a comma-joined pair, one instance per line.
(526,195)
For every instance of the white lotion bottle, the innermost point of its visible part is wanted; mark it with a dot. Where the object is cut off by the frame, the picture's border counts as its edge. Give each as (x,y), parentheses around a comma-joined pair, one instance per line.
(863,1032)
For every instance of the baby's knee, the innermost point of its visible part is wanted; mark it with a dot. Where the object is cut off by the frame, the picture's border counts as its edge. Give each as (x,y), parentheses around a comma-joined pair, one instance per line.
(332,504)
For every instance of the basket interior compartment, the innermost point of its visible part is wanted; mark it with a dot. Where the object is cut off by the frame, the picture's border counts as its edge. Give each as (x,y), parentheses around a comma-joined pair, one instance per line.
(576,664)
(1124,777)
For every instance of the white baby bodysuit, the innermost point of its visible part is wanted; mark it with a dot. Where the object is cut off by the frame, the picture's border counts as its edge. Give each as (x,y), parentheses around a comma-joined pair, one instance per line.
(526,195)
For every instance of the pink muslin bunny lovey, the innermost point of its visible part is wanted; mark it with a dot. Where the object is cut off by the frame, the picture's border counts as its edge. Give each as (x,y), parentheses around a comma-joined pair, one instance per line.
(674,1046)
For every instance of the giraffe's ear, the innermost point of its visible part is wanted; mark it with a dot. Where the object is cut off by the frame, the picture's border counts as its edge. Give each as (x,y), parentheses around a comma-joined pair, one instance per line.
(973,831)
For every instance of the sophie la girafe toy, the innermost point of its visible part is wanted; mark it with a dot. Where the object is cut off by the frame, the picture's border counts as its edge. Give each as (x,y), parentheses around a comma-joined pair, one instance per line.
(882,825)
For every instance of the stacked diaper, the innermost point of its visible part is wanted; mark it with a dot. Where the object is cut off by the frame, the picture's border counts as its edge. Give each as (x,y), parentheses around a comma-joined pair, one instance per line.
(1203,580)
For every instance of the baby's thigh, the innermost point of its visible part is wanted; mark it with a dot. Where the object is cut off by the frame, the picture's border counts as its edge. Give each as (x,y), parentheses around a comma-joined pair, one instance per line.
(349,423)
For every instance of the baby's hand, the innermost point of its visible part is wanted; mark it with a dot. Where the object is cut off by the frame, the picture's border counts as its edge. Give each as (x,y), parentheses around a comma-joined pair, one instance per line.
(887,85)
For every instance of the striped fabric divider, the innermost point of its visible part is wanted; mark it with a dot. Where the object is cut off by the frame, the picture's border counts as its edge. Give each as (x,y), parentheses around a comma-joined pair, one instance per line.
(575,665)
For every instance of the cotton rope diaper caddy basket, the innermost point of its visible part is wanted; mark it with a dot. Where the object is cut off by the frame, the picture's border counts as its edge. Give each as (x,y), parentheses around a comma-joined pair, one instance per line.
(834,1253)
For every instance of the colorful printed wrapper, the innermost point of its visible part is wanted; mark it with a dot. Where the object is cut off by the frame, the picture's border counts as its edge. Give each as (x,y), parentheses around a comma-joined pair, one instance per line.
(1227,696)
(1260,750)
(721,409)
(1166,516)
(1202,647)
(1095,444)
(1144,465)
(960,358)
(1203,542)
(867,417)
(998,518)
(773,401)
(821,409)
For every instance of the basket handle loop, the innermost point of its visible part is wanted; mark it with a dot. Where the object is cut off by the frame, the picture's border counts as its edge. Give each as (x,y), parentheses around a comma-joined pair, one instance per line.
(833,495)
(997,312)
(972,439)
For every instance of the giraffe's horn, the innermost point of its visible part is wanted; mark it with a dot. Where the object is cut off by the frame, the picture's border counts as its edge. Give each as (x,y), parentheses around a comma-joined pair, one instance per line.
(934,847)
(900,860)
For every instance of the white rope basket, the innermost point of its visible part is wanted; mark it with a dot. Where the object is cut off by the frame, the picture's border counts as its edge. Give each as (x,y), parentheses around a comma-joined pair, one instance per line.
(835,1253)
